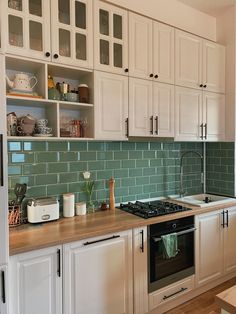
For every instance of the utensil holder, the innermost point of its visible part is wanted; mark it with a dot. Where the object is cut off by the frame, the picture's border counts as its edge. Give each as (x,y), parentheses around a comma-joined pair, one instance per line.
(14,215)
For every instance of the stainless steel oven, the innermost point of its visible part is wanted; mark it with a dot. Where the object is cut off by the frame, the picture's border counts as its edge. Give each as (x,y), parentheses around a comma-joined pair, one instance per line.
(162,270)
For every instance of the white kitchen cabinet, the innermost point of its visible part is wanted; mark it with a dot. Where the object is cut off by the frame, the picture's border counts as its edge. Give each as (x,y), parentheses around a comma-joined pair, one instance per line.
(98,275)
(229,241)
(151,109)
(199,116)
(3,196)
(57,30)
(36,282)
(140,258)
(3,290)
(151,49)
(27,27)
(199,63)
(215,249)
(71,29)
(110,38)
(111,106)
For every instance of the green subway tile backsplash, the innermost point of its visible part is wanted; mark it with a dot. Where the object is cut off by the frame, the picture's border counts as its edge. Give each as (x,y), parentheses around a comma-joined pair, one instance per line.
(220,168)
(141,169)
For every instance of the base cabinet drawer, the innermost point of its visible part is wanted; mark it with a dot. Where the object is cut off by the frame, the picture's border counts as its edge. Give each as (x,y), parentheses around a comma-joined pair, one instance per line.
(171,292)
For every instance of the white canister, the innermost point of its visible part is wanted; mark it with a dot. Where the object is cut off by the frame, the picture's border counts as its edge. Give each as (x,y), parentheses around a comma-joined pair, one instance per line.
(68,205)
(80,208)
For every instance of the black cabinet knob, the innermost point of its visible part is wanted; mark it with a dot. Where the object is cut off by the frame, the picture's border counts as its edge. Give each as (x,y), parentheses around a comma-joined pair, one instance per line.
(55,56)
(156,76)
(151,75)
(204,86)
(126,70)
(47,54)
(201,85)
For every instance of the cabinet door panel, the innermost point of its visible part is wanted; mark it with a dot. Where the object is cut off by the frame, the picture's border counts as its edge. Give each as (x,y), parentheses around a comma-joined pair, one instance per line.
(214,109)
(163,109)
(111,106)
(209,247)
(214,67)
(28,28)
(163,52)
(188,113)
(110,38)
(98,276)
(72,41)
(34,283)
(188,60)
(140,46)
(140,107)
(229,242)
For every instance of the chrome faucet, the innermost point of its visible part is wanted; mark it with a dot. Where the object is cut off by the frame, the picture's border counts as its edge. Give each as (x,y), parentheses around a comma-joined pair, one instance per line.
(182,192)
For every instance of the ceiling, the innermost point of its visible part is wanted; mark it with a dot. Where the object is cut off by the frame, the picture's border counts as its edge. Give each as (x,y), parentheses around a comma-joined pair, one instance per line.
(212,7)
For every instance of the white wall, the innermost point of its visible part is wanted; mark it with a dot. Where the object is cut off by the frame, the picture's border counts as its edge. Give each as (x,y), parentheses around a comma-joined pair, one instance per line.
(226,32)
(174,13)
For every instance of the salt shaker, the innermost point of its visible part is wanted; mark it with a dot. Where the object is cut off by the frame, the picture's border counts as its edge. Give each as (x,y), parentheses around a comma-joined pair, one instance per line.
(68,205)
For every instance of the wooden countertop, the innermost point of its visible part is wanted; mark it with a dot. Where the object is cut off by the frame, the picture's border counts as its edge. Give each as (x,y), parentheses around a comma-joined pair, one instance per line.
(227,300)
(36,236)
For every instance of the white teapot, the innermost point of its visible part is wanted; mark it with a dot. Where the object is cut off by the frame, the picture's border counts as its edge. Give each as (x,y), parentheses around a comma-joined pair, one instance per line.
(22,82)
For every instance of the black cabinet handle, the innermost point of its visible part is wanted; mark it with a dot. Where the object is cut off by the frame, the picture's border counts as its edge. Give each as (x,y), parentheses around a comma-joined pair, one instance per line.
(127,127)
(151,75)
(223,224)
(3,287)
(204,86)
(201,85)
(1,160)
(55,56)
(156,119)
(156,76)
(201,126)
(59,263)
(227,218)
(47,54)
(171,295)
(142,242)
(101,240)
(205,126)
(126,70)
(151,129)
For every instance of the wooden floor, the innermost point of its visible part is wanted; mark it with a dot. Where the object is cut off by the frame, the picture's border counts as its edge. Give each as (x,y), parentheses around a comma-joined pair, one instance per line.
(204,303)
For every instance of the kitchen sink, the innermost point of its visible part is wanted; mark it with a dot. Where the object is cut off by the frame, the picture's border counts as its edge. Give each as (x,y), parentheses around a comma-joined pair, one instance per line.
(203,200)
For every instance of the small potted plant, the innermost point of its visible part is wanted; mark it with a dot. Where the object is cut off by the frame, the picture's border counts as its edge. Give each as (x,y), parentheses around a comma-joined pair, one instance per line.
(88,189)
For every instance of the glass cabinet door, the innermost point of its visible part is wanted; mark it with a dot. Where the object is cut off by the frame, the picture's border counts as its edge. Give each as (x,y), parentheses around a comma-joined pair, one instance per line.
(72,32)
(110,38)
(29,28)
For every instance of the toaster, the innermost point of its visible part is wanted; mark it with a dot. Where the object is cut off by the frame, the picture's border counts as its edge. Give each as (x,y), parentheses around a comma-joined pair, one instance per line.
(42,209)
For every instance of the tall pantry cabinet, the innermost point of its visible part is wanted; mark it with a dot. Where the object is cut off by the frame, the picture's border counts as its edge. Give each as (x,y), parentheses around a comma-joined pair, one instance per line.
(3,197)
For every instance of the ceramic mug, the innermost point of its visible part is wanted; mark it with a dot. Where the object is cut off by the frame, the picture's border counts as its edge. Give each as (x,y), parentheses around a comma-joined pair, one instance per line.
(25,129)
(44,130)
(42,122)
(11,124)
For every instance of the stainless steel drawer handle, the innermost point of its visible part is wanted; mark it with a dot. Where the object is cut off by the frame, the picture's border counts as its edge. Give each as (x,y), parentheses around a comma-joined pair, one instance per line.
(178,233)
(171,295)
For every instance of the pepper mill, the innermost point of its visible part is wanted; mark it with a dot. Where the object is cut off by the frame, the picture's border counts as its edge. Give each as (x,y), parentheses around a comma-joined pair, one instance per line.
(111,194)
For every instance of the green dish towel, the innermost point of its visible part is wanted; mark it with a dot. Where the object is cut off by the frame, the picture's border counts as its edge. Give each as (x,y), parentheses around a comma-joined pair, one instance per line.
(170,245)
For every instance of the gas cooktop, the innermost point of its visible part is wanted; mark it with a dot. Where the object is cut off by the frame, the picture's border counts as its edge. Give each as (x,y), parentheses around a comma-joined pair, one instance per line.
(152,209)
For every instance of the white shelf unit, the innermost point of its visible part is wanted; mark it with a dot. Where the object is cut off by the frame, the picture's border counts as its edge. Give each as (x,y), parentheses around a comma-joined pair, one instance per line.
(59,113)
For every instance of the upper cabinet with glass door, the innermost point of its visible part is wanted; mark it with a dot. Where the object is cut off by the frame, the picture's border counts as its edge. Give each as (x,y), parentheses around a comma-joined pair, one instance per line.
(72,41)
(28,27)
(110,38)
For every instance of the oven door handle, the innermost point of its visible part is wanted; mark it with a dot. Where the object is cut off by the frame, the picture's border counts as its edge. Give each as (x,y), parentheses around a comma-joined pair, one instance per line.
(178,233)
